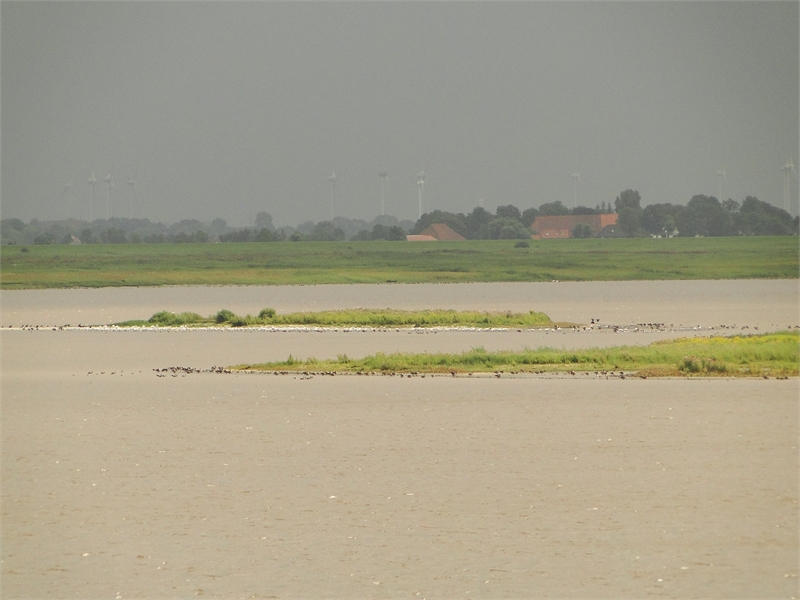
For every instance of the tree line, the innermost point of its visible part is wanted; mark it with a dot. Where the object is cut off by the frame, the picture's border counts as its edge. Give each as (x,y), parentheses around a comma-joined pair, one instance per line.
(702,215)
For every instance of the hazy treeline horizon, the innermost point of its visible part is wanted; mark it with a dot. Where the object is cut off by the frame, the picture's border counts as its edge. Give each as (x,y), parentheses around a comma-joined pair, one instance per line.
(702,215)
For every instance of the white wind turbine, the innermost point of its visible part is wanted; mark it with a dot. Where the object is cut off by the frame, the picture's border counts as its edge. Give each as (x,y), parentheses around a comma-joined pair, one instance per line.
(92,181)
(332,179)
(576,179)
(721,177)
(68,189)
(788,172)
(421,185)
(109,179)
(132,183)
(384,179)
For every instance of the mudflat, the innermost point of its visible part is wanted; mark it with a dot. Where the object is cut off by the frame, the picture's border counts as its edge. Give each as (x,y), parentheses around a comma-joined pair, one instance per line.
(118,483)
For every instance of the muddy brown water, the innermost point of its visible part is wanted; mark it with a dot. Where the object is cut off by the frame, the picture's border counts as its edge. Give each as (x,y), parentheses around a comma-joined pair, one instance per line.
(121,484)
(755,301)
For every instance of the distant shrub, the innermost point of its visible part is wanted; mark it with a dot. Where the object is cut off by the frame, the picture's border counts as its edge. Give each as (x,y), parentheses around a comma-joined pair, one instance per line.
(522,244)
(224,316)
(237,321)
(166,318)
(267,313)
(24,249)
(693,364)
(43,239)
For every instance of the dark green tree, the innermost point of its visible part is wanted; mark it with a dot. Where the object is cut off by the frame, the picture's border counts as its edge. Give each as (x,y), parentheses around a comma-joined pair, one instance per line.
(87,237)
(264,235)
(659,219)
(705,216)
(629,198)
(477,223)
(264,221)
(629,220)
(437,216)
(629,208)
(324,231)
(362,236)
(114,235)
(238,235)
(732,206)
(509,211)
(582,230)
(529,216)
(761,218)
(556,208)
(12,224)
(583,210)
(218,227)
(508,229)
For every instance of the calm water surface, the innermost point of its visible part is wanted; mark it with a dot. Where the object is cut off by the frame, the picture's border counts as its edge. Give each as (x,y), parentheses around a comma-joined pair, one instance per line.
(120,484)
(762,303)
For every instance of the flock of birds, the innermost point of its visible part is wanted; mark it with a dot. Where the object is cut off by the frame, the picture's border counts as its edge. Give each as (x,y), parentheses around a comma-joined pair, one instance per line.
(177,371)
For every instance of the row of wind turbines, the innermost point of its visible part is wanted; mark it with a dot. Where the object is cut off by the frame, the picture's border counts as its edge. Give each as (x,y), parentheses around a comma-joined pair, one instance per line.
(110,187)
(384,176)
(788,171)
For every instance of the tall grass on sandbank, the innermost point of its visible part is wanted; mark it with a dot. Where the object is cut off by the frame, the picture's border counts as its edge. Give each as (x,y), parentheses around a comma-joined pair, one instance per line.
(358,317)
(771,355)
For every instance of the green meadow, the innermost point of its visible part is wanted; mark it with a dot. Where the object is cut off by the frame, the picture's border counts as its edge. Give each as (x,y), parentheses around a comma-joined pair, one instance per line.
(61,266)
(768,355)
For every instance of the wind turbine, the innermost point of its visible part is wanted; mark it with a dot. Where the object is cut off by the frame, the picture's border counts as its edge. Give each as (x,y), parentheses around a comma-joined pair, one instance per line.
(788,171)
(132,183)
(576,179)
(109,179)
(332,179)
(384,179)
(92,181)
(68,188)
(421,185)
(721,177)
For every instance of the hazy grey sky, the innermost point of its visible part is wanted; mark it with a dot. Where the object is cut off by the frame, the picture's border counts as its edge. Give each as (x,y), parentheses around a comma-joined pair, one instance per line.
(230,108)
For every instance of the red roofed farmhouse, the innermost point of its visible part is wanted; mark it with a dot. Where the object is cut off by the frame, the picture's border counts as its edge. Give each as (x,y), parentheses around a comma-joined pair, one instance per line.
(436,232)
(553,227)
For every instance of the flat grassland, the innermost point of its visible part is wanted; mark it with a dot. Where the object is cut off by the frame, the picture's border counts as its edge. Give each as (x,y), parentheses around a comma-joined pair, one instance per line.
(378,262)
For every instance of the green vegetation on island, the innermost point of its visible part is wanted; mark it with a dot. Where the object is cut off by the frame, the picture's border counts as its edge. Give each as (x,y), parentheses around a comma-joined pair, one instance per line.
(359,317)
(53,266)
(768,355)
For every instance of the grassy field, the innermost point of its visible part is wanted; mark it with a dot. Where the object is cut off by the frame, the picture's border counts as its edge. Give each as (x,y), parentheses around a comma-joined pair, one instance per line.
(285,263)
(771,355)
(358,317)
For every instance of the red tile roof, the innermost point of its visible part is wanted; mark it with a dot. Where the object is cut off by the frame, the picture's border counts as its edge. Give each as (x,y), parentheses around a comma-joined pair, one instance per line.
(443,232)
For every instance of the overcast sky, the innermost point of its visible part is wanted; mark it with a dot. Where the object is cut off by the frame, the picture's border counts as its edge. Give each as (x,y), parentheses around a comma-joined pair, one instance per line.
(225,109)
